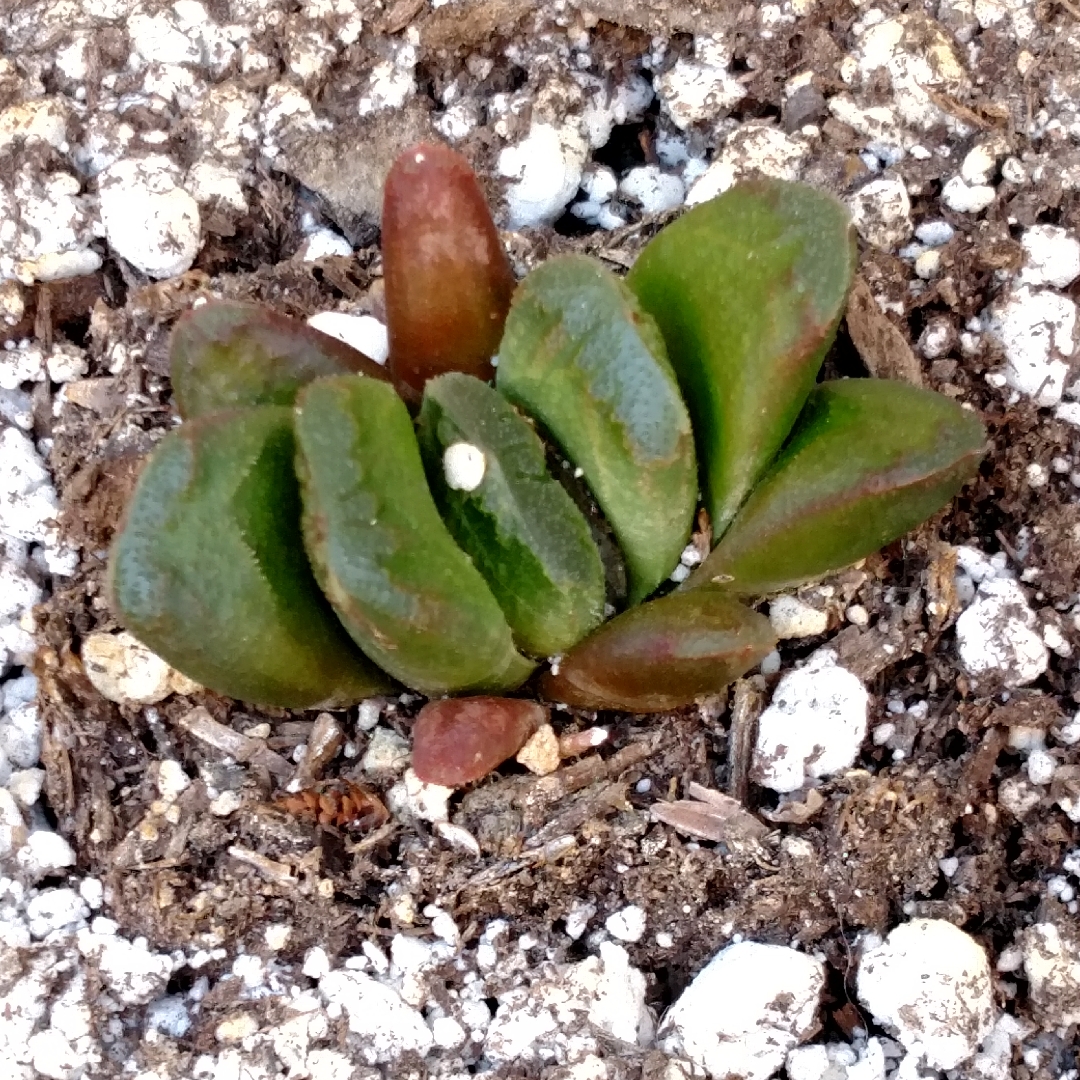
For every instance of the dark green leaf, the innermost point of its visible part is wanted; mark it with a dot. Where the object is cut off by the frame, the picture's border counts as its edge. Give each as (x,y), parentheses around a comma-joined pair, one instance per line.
(209,570)
(581,357)
(407,594)
(869,459)
(663,654)
(519,526)
(747,290)
(229,355)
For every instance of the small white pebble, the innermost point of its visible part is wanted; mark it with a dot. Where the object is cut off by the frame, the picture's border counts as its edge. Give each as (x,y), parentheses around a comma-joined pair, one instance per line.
(857,615)
(364,333)
(883,733)
(770,663)
(628,924)
(464,466)
(316,963)
(934,233)
(794,618)
(1041,767)
(277,935)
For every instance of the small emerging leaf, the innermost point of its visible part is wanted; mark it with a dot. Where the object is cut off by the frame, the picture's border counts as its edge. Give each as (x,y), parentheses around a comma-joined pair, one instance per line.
(869,459)
(519,526)
(410,598)
(459,740)
(229,355)
(209,570)
(448,280)
(663,654)
(748,290)
(581,357)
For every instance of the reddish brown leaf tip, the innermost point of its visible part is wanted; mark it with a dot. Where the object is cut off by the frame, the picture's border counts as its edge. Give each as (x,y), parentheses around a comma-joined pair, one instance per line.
(448,280)
(458,740)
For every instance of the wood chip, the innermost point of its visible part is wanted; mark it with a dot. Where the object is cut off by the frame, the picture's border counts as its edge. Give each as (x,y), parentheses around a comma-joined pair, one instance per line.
(867,653)
(796,813)
(745,710)
(882,345)
(201,725)
(711,815)
(273,871)
(323,743)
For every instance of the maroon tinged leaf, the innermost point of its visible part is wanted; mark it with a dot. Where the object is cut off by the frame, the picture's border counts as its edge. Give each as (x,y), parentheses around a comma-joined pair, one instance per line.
(458,740)
(868,460)
(663,654)
(448,280)
(229,355)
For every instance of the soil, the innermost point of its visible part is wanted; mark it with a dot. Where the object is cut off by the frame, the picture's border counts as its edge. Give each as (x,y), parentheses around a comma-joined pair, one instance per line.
(865,860)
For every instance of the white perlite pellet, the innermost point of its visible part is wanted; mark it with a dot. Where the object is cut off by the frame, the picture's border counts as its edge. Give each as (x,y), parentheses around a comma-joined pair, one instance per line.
(149,218)
(929,982)
(998,635)
(364,333)
(463,466)
(749,1006)
(814,726)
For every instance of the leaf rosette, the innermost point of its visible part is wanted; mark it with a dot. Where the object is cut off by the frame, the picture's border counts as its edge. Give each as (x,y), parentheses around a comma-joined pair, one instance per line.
(302,538)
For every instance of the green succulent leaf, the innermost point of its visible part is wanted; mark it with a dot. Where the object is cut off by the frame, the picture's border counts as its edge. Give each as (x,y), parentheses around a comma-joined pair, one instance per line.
(410,598)
(747,290)
(581,357)
(230,355)
(448,280)
(662,655)
(210,571)
(521,529)
(868,460)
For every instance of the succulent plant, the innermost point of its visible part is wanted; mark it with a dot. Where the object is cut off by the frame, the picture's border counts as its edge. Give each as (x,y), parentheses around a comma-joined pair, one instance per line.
(301,537)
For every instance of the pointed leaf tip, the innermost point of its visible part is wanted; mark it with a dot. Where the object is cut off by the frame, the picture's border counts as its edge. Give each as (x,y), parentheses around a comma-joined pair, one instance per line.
(869,460)
(747,290)
(448,279)
(662,655)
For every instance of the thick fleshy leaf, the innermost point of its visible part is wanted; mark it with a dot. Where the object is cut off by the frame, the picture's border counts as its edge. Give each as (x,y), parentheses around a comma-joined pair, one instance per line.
(748,290)
(448,280)
(869,459)
(226,354)
(459,740)
(209,569)
(408,595)
(518,525)
(663,654)
(580,356)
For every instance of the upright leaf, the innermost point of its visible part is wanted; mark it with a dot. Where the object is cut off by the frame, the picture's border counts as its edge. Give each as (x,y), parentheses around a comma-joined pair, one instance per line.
(408,595)
(209,569)
(663,654)
(518,525)
(448,280)
(748,290)
(869,459)
(581,357)
(229,355)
